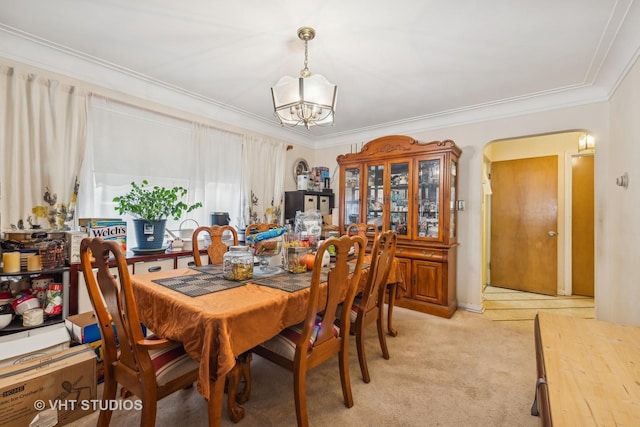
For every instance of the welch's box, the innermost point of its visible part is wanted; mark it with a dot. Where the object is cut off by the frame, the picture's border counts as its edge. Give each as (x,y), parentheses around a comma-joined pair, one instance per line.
(109,230)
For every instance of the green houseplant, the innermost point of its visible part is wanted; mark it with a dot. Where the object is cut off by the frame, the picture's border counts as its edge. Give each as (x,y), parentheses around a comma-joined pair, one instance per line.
(150,207)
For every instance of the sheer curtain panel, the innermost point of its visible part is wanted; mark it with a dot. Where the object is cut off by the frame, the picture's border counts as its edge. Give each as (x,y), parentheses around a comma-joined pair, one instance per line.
(263,179)
(128,144)
(42,140)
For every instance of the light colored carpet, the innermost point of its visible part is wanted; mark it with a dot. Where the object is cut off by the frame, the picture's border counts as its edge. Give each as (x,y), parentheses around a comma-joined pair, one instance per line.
(463,371)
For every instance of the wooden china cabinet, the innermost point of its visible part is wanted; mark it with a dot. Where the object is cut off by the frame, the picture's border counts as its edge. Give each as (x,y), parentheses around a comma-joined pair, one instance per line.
(398,183)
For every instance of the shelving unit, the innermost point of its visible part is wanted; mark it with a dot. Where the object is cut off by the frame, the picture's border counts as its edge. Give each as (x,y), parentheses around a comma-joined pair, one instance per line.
(62,275)
(398,183)
(303,200)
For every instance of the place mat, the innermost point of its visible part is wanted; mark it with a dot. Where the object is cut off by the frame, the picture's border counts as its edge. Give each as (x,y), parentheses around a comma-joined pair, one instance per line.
(289,282)
(292,282)
(195,285)
(209,268)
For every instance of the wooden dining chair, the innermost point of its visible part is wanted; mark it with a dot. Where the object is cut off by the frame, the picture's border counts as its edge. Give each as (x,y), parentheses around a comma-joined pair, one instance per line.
(368,306)
(241,372)
(317,339)
(217,248)
(369,232)
(150,368)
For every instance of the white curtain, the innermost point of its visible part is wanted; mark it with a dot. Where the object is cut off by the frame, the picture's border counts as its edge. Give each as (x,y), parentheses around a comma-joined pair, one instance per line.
(128,144)
(42,140)
(263,179)
(217,157)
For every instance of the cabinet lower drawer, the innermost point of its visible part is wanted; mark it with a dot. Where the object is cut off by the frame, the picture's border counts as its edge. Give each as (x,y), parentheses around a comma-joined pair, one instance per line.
(151,266)
(187,261)
(421,253)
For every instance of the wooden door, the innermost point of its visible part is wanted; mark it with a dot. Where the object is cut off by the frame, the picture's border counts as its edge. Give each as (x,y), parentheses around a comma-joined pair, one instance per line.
(582,220)
(524,211)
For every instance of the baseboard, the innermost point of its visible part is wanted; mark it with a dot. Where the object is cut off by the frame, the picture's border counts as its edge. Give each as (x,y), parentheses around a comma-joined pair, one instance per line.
(474,308)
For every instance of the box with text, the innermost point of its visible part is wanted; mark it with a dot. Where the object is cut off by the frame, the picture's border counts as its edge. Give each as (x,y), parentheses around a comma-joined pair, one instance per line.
(51,390)
(109,230)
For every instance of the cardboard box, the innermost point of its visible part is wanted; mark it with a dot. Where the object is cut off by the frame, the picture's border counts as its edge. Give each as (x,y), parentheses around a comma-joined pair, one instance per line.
(109,230)
(97,349)
(33,343)
(51,390)
(83,327)
(73,239)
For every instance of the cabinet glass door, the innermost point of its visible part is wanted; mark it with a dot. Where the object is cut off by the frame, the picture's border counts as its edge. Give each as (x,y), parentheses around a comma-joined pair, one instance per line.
(351,195)
(400,195)
(375,195)
(428,202)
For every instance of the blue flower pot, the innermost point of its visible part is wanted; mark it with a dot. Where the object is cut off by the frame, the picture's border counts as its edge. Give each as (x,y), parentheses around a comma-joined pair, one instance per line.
(149,236)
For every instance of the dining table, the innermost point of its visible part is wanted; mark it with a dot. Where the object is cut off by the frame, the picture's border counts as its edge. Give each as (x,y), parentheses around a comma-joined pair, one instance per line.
(218,320)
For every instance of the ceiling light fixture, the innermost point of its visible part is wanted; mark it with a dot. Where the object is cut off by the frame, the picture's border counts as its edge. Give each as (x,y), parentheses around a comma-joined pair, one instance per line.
(307,100)
(586,142)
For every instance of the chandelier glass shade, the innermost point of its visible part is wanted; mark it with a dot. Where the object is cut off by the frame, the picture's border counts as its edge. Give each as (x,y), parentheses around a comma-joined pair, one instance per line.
(308,100)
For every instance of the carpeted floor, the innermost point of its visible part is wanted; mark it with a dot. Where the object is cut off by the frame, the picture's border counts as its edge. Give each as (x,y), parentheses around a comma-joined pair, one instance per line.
(463,371)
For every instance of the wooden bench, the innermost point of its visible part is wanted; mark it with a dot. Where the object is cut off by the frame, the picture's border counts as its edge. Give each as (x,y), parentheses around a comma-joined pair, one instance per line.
(588,372)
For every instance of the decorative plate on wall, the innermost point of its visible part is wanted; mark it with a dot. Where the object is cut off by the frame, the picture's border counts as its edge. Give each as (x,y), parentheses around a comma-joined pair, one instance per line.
(300,166)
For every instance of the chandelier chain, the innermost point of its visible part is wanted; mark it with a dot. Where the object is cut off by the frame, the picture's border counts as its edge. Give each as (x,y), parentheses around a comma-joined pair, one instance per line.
(305,71)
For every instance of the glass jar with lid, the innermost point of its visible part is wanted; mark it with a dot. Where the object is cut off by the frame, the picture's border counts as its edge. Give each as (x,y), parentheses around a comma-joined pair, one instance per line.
(237,263)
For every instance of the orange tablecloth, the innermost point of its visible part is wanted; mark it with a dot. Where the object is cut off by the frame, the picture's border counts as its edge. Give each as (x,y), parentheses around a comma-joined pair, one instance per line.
(217,327)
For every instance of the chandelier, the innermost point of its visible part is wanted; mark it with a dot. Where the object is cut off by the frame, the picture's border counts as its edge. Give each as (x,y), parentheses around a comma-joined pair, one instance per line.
(308,100)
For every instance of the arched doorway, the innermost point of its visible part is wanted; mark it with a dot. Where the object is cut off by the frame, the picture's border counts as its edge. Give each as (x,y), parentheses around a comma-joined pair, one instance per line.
(518,173)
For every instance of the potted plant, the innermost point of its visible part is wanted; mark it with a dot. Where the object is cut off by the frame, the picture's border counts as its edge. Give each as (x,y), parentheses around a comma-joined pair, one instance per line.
(150,207)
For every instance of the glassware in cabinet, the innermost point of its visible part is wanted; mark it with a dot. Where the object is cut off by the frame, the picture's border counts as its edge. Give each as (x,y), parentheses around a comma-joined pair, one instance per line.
(375,194)
(400,190)
(351,188)
(428,199)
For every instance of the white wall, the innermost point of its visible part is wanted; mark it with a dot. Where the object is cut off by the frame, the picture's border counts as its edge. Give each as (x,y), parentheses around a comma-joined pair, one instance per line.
(618,243)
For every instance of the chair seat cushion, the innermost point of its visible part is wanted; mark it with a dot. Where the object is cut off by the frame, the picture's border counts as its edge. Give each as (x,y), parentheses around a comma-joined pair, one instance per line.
(284,344)
(171,362)
(355,309)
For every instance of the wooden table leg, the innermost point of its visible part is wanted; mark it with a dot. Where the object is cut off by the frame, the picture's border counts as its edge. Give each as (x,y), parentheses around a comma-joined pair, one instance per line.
(392,301)
(244,362)
(214,405)
(241,370)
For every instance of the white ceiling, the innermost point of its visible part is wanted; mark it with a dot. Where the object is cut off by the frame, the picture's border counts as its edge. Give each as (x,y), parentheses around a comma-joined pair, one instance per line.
(408,64)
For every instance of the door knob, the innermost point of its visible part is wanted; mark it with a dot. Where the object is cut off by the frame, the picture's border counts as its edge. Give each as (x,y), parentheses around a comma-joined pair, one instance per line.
(552,234)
